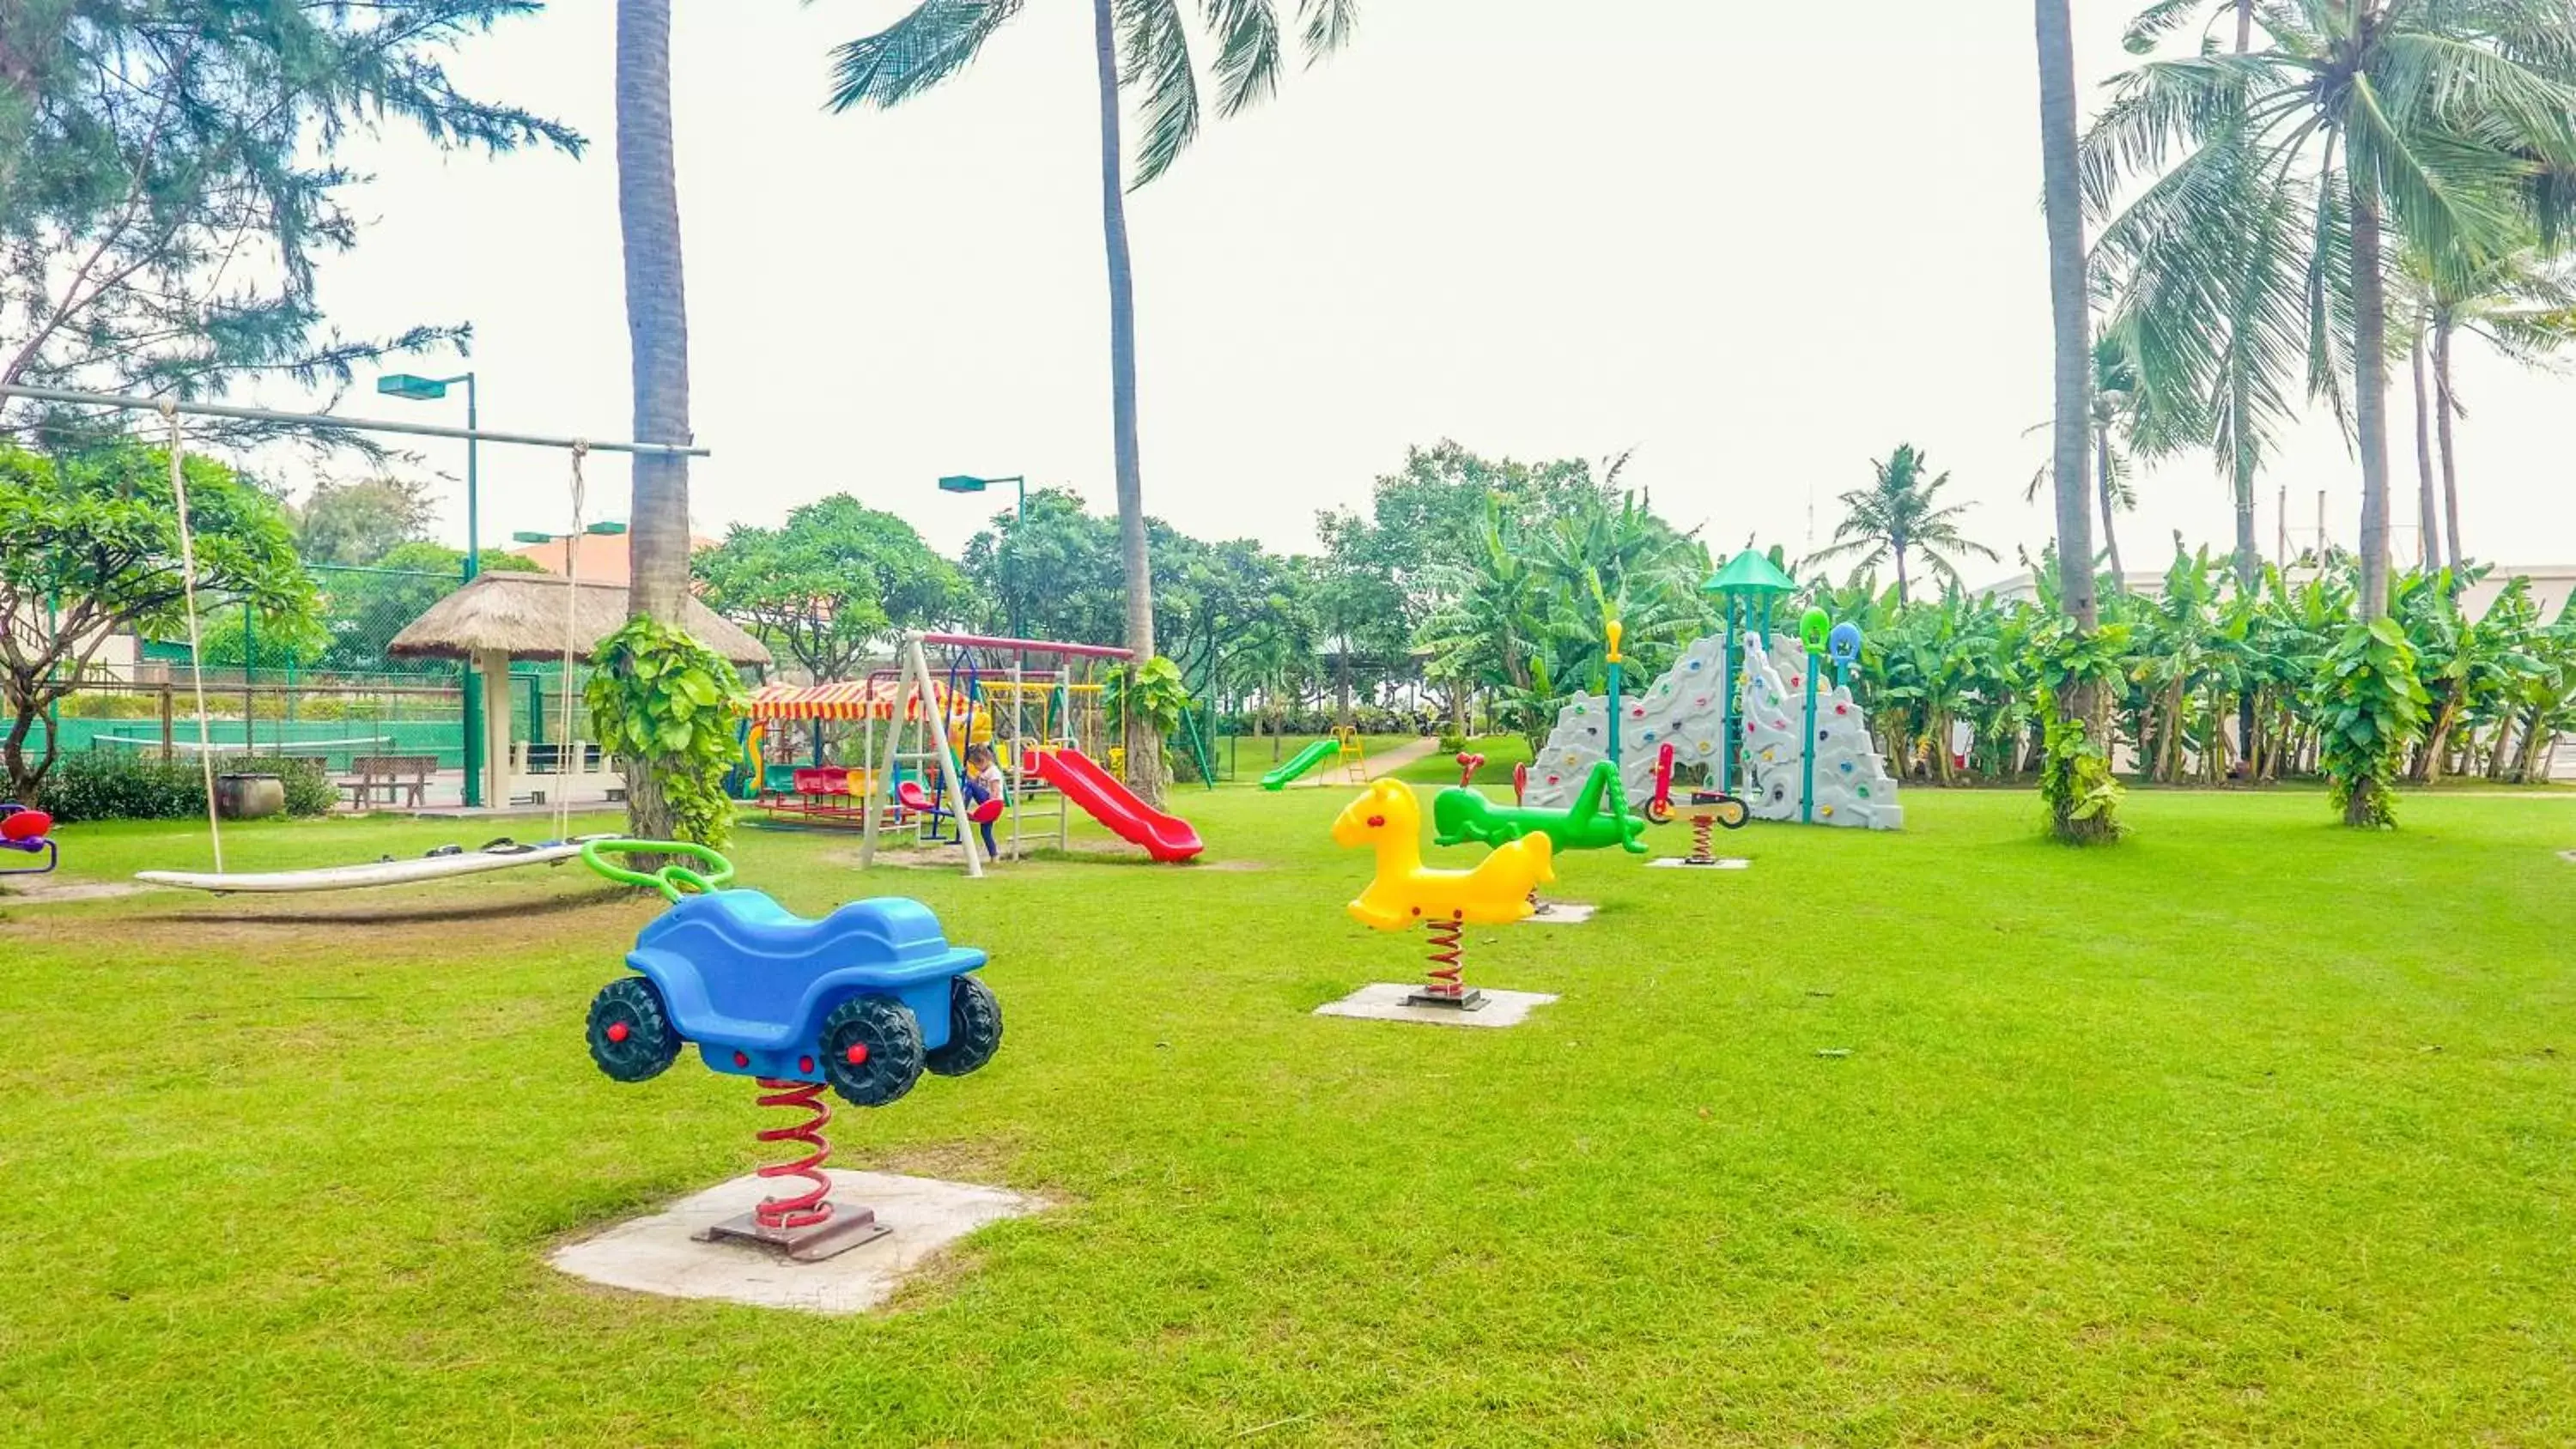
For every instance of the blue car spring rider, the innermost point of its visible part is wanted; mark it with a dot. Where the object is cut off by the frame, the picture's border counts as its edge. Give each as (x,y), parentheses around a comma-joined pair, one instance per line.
(862,1001)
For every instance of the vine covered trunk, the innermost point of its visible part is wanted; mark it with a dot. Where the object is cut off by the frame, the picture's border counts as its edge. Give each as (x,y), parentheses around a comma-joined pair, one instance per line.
(657,331)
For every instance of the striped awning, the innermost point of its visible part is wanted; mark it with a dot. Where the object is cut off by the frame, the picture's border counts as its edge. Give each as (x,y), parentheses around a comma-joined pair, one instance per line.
(849,700)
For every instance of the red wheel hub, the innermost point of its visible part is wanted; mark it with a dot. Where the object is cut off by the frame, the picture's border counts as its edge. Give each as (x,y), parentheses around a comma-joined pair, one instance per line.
(619,1031)
(857,1055)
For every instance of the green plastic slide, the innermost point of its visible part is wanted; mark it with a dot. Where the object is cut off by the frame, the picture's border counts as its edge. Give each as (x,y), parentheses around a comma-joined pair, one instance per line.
(1307,759)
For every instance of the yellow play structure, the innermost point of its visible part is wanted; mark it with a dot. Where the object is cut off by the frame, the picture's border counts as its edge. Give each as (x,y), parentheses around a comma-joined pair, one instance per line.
(1354,755)
(1405,892)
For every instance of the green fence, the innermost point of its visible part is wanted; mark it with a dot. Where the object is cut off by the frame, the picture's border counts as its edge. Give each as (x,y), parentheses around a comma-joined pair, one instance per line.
(331,693)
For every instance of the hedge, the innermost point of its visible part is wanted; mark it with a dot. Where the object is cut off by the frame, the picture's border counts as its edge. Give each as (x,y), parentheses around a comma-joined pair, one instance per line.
(113,785)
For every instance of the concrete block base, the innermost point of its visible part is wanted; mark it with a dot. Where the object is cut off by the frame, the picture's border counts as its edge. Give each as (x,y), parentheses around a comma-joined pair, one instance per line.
(1560,913)
(663,1253)
(1385,1001)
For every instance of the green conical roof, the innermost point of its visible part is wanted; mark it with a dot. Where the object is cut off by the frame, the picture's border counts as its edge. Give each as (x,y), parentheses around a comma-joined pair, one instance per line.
(1751,572)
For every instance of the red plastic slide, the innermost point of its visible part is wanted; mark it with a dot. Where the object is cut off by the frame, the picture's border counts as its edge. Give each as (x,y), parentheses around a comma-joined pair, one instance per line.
(1165,837)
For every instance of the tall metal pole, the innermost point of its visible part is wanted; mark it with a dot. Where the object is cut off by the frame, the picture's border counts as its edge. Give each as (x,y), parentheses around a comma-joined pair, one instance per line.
(1019,516)
(473,567)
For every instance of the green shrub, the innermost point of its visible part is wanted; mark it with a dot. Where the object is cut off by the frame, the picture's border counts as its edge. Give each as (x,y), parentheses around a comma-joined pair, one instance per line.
(110,704)
(112,785)
(1452,743)
(663,704)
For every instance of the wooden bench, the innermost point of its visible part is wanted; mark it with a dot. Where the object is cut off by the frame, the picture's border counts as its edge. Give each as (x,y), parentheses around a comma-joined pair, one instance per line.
(544,759)
(402,778)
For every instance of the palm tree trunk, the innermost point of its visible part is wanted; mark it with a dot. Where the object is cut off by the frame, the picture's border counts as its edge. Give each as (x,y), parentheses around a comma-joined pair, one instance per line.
(2430,553)
(1900,573)
(2244,26)
(2069,305)
(2370,393)
(657,334)
(657,322)
(2070,311)
(2445,403)
(2110,524)
(1144,747)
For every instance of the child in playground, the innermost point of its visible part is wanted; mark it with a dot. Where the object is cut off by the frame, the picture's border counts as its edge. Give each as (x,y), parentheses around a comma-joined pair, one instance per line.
(983,782)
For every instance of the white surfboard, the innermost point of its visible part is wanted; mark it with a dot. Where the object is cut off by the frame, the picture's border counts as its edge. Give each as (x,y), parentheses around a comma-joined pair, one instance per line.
(375,873)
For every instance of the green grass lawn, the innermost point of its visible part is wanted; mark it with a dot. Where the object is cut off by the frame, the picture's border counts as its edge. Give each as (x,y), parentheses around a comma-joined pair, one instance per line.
(2248,1130)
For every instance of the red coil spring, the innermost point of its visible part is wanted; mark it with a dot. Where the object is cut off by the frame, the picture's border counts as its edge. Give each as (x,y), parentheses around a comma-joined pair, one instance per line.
(1445,970)
(813,1205)
(1703,838)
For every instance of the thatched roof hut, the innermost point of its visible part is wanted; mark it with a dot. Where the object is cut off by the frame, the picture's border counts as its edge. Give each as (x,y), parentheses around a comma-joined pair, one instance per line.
(522,615)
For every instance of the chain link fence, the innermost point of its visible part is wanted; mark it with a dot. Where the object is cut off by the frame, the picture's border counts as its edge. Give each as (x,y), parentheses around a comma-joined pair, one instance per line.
(332,693)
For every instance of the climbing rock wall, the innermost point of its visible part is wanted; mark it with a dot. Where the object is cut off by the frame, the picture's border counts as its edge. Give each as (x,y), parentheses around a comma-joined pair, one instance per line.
(1684,707)
(1687,709)
(1852,786)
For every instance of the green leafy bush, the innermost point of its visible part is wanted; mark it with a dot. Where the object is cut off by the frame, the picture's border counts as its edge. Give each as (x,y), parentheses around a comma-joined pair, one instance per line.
(2370,706)
(113,785)
(1152,691)
(664,705)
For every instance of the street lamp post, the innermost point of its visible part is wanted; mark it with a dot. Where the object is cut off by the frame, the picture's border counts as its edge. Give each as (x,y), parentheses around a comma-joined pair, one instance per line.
(414,388)
(969,483)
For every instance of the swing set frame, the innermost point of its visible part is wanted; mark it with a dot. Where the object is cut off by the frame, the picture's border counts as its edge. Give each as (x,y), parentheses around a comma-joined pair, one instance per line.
(171,410)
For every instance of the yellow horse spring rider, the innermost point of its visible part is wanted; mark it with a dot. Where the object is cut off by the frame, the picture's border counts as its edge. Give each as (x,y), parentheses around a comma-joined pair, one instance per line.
(1404,893)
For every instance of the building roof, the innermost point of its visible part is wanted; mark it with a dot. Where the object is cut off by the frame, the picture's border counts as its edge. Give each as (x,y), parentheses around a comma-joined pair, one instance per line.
(522,615)
(600,556)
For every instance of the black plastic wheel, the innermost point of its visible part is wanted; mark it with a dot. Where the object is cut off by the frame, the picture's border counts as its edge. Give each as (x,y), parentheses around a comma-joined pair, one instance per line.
(631,1036)
(974,1028)
(1659,811)
(1732,813)
(886,1041)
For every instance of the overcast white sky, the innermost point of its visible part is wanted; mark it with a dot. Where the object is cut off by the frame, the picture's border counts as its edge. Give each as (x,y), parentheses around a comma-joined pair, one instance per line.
(1757,250)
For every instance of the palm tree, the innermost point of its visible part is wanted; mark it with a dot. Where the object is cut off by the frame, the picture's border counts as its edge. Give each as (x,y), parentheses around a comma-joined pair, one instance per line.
(2128,420)
(2070,307)
(1898,516)
(2070,310)
(2522,303)
(657,318)
(657,332)
(1144,44)
(2439,123)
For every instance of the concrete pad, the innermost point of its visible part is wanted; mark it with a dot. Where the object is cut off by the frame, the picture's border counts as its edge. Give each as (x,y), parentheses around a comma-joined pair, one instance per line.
(1384,1001)
(1560,913)
(656,1254)
(1684,862)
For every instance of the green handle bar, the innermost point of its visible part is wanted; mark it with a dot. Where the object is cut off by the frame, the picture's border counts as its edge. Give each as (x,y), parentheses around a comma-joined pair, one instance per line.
(670,878)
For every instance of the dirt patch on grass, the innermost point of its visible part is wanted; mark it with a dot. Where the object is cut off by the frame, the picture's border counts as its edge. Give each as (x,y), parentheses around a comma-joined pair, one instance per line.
(408,926)
(40,889)
(1080,852)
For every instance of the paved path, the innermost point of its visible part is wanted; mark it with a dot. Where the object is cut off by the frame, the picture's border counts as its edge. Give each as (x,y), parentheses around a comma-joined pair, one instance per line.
(1335,775)
(1399,757)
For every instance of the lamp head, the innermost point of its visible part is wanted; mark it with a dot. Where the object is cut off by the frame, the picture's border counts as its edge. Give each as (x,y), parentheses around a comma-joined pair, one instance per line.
(411,386)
